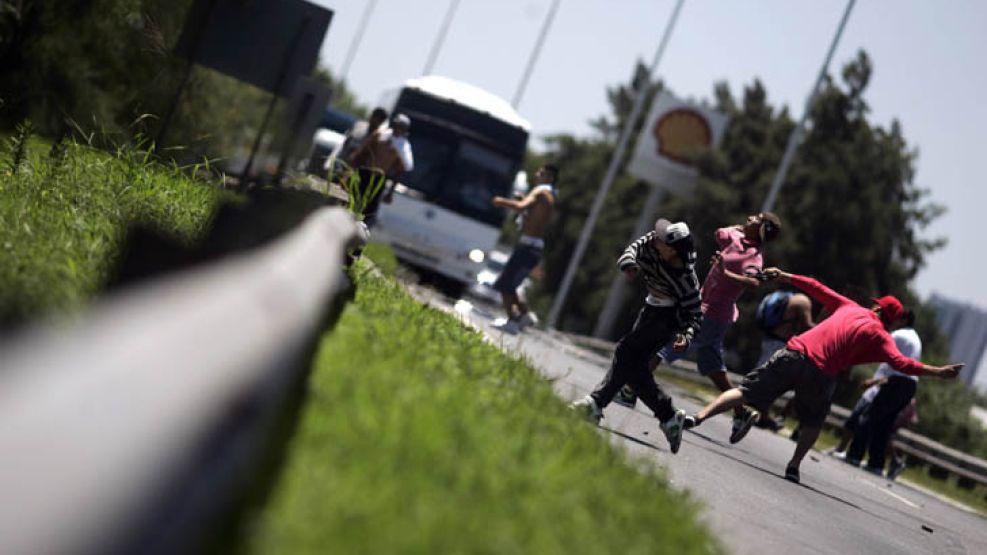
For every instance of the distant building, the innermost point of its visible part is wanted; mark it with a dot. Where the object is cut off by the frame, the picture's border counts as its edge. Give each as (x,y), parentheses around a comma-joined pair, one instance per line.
(965,327)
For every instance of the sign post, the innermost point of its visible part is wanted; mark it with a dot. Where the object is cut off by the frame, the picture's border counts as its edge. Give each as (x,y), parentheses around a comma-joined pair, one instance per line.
(673,132)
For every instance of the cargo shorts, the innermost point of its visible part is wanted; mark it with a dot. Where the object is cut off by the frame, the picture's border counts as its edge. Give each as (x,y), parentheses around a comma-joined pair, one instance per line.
(789,370)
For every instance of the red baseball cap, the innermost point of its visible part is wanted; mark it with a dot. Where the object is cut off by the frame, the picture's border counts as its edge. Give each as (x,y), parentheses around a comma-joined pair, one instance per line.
(891,308)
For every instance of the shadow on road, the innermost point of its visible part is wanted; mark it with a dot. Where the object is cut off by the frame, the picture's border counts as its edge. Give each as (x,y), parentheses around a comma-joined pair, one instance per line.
(772,473)
(632,438)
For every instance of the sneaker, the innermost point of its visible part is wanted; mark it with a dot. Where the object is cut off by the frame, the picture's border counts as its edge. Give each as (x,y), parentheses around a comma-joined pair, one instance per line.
(838,455)
(527,319)
(742,425)
(792,474)
(589,409)
(895,468)
(626,397)
(690,422)
(507,325)
(673,430)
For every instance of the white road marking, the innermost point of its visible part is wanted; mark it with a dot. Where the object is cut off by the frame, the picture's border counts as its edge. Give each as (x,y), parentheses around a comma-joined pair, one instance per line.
(892,494)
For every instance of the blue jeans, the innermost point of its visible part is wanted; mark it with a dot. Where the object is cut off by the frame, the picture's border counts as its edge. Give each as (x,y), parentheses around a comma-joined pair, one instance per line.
(708,346)
(519,265)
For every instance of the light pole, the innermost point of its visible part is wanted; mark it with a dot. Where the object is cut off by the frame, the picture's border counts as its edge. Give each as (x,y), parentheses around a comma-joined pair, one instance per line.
(615,160)
(357,38)
(796,136)
(441,37)
(535,53)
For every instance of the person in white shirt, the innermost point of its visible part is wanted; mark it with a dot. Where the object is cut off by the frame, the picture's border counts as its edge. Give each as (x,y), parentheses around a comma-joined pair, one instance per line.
(889,393)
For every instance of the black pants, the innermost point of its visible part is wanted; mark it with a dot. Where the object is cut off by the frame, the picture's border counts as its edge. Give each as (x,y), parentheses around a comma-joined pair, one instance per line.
(874,430)
(654,327)
(371,177)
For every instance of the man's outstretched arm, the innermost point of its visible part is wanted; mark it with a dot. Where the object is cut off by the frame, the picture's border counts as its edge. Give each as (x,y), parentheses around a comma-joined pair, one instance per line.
(815,289)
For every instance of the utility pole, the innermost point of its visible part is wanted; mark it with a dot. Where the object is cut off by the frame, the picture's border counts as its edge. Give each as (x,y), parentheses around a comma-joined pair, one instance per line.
(615,160)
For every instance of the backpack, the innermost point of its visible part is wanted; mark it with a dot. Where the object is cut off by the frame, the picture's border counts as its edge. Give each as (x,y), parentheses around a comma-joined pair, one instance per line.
(771,312)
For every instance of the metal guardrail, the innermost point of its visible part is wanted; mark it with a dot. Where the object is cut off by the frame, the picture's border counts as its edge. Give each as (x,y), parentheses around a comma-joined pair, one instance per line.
(926,451)
(128,429)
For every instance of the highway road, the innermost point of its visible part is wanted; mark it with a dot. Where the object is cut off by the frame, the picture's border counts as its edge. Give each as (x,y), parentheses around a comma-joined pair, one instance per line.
(748,504)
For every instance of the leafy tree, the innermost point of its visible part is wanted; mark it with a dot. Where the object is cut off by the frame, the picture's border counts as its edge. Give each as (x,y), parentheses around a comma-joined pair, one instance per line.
(103,64)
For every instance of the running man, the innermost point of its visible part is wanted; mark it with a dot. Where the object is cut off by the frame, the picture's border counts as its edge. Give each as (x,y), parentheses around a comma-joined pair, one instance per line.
(733,270)
(810,363)
(665,258)
(534,214)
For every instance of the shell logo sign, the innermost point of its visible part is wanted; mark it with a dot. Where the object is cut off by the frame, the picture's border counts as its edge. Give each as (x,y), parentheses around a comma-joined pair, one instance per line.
(674,131)
(681,132)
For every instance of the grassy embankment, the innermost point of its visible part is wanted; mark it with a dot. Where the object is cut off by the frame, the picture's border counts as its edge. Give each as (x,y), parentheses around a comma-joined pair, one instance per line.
(64,212)
(418,436)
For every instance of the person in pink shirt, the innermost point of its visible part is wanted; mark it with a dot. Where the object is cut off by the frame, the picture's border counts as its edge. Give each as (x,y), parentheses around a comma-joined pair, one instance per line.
(810,362)
(733,269)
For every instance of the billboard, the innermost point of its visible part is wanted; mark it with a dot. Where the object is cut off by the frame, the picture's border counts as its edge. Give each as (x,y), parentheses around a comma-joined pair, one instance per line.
(267,43)
(673,131)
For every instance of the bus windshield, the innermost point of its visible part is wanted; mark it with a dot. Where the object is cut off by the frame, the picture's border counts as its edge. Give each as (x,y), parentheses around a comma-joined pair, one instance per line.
(459,172)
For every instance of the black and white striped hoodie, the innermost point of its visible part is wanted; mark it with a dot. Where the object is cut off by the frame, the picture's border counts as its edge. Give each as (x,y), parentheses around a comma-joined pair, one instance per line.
(667,285)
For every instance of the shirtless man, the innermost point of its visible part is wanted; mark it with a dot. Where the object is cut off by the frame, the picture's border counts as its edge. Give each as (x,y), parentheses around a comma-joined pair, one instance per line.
(536,212)
(384,156)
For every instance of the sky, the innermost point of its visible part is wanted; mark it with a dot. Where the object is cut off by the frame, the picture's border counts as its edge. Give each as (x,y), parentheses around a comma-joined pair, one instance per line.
(927,57)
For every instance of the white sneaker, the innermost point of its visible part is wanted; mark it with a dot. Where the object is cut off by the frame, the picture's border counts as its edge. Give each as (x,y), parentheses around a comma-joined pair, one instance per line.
(507,326)
(673,430)
(743,424)
(528,319)
(588,408)
(838,455)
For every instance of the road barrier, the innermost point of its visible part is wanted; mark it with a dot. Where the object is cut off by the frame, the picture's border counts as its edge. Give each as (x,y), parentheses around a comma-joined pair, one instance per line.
(942,461)
(132,428)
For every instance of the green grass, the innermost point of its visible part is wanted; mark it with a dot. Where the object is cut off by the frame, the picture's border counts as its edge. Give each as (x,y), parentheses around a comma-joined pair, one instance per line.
(382,257)
(975,499)
(417,436)
(63,218)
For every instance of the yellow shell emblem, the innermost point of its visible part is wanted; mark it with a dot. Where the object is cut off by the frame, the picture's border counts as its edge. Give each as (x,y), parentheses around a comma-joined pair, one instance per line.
(681,132)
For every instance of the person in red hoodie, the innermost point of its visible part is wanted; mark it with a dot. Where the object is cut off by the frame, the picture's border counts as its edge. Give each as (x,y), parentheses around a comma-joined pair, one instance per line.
(810,363)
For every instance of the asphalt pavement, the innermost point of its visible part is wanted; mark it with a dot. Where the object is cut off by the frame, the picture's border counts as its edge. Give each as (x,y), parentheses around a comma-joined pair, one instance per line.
(747,502)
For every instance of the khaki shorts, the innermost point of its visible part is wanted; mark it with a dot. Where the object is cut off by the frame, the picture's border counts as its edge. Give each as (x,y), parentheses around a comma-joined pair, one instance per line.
(789,370)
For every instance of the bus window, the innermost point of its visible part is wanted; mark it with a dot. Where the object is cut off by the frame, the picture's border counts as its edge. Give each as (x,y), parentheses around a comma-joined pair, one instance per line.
(478,175)
(432,160)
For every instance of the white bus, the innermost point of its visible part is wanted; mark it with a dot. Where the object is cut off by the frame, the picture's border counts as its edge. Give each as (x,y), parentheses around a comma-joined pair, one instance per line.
(469,146)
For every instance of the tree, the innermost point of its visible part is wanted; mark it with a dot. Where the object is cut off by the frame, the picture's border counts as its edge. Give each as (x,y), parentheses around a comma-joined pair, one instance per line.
(104,64)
